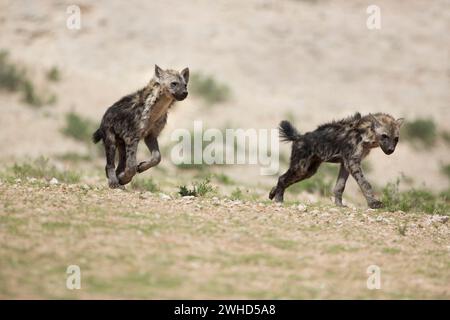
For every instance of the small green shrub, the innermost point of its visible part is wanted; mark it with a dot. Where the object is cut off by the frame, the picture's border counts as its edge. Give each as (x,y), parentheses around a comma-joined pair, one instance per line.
(53,74)
(42,169)
(209,89)
(199,189)
(414,200)
(237,194)
(446,136)
(13,78)
(223,178)
(421,131)
(78,127)
(144,185)
(446,170)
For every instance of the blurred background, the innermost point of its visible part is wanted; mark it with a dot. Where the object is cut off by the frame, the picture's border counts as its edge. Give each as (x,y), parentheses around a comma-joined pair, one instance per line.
(253,63)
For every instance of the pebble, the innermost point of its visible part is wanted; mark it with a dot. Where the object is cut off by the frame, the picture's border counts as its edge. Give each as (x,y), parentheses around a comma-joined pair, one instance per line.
(53,181)
(437,218)
(164,196)
(302,208)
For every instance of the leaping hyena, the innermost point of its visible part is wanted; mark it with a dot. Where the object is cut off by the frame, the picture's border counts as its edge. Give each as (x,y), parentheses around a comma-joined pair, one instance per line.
(347,142)
(140,115)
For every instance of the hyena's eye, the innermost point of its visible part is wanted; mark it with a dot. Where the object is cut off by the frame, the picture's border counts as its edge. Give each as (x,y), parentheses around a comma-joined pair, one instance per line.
(174,84)
(396,139)
(384,136)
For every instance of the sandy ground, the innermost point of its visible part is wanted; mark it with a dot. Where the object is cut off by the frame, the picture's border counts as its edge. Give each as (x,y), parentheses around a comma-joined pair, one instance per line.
(139,245)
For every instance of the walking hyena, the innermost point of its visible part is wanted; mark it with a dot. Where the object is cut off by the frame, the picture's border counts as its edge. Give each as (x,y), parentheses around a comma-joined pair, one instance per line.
(140,115)
(347,142)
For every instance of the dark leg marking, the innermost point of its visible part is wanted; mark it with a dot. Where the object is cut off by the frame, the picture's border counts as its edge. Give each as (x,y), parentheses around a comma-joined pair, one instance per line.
(155,154)
(130,165)
(293,175)
(340,185)
(110,150)
(356,171)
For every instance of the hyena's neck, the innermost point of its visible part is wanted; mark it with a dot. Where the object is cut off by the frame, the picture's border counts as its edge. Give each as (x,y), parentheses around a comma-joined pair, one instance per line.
(156,104)
(369,137)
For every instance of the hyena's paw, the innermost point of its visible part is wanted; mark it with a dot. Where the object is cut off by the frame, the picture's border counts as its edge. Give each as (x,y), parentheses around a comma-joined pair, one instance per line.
(114,184)
(126,176)
(375,204)
(276,196)
(272,193)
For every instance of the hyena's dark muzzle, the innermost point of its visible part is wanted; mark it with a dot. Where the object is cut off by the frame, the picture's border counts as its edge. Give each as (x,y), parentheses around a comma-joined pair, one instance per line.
(179,96)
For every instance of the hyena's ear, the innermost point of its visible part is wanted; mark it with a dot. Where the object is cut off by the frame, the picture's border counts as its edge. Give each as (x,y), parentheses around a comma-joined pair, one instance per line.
(374,120)
(158,71)
(399,122)
(185,74)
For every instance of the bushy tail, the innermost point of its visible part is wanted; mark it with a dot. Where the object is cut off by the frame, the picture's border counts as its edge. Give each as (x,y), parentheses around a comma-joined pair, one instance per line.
(97,136)
(288,132)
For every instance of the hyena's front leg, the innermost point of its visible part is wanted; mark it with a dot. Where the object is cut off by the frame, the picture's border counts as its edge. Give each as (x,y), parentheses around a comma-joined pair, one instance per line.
(110,151)
(130,165)
(340,185)
(155,154)
(355,170)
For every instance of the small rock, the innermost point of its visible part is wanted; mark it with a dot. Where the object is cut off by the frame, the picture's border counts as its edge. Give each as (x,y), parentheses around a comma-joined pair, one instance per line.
(379,219)
(164,196)
(18,180)
(302,208)
(31,180)
(188,197)
(85,187)
(53,181)
(143,196)
(438,218)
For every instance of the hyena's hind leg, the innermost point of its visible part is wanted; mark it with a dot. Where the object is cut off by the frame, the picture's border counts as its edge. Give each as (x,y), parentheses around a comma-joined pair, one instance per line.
(122,156)
(130,163)
(340,185)
(155,154)
(293,175)
(110,151)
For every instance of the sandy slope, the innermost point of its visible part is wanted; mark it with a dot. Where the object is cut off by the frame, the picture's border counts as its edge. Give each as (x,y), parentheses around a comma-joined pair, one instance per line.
(137,245)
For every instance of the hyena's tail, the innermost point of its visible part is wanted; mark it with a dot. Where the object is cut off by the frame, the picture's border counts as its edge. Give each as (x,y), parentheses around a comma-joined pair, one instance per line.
(288,132)
(97,136)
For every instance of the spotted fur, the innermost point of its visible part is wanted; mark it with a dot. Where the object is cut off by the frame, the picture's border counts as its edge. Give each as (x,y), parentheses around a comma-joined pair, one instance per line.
(140,115)
(347,142)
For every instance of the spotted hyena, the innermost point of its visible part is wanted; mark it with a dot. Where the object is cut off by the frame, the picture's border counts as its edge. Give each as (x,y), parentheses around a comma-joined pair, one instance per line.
(140,115)
(347,142)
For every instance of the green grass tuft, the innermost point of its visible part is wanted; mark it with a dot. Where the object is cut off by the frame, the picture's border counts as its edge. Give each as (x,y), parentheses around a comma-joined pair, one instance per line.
(41,169)
(53,74)
(15,79)
(144,185)
(206,87)
(78,127)
(422,131)
(199,189)
(414,200)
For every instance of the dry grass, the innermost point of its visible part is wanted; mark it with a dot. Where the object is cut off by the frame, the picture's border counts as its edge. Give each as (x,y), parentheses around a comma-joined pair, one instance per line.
(132,244)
